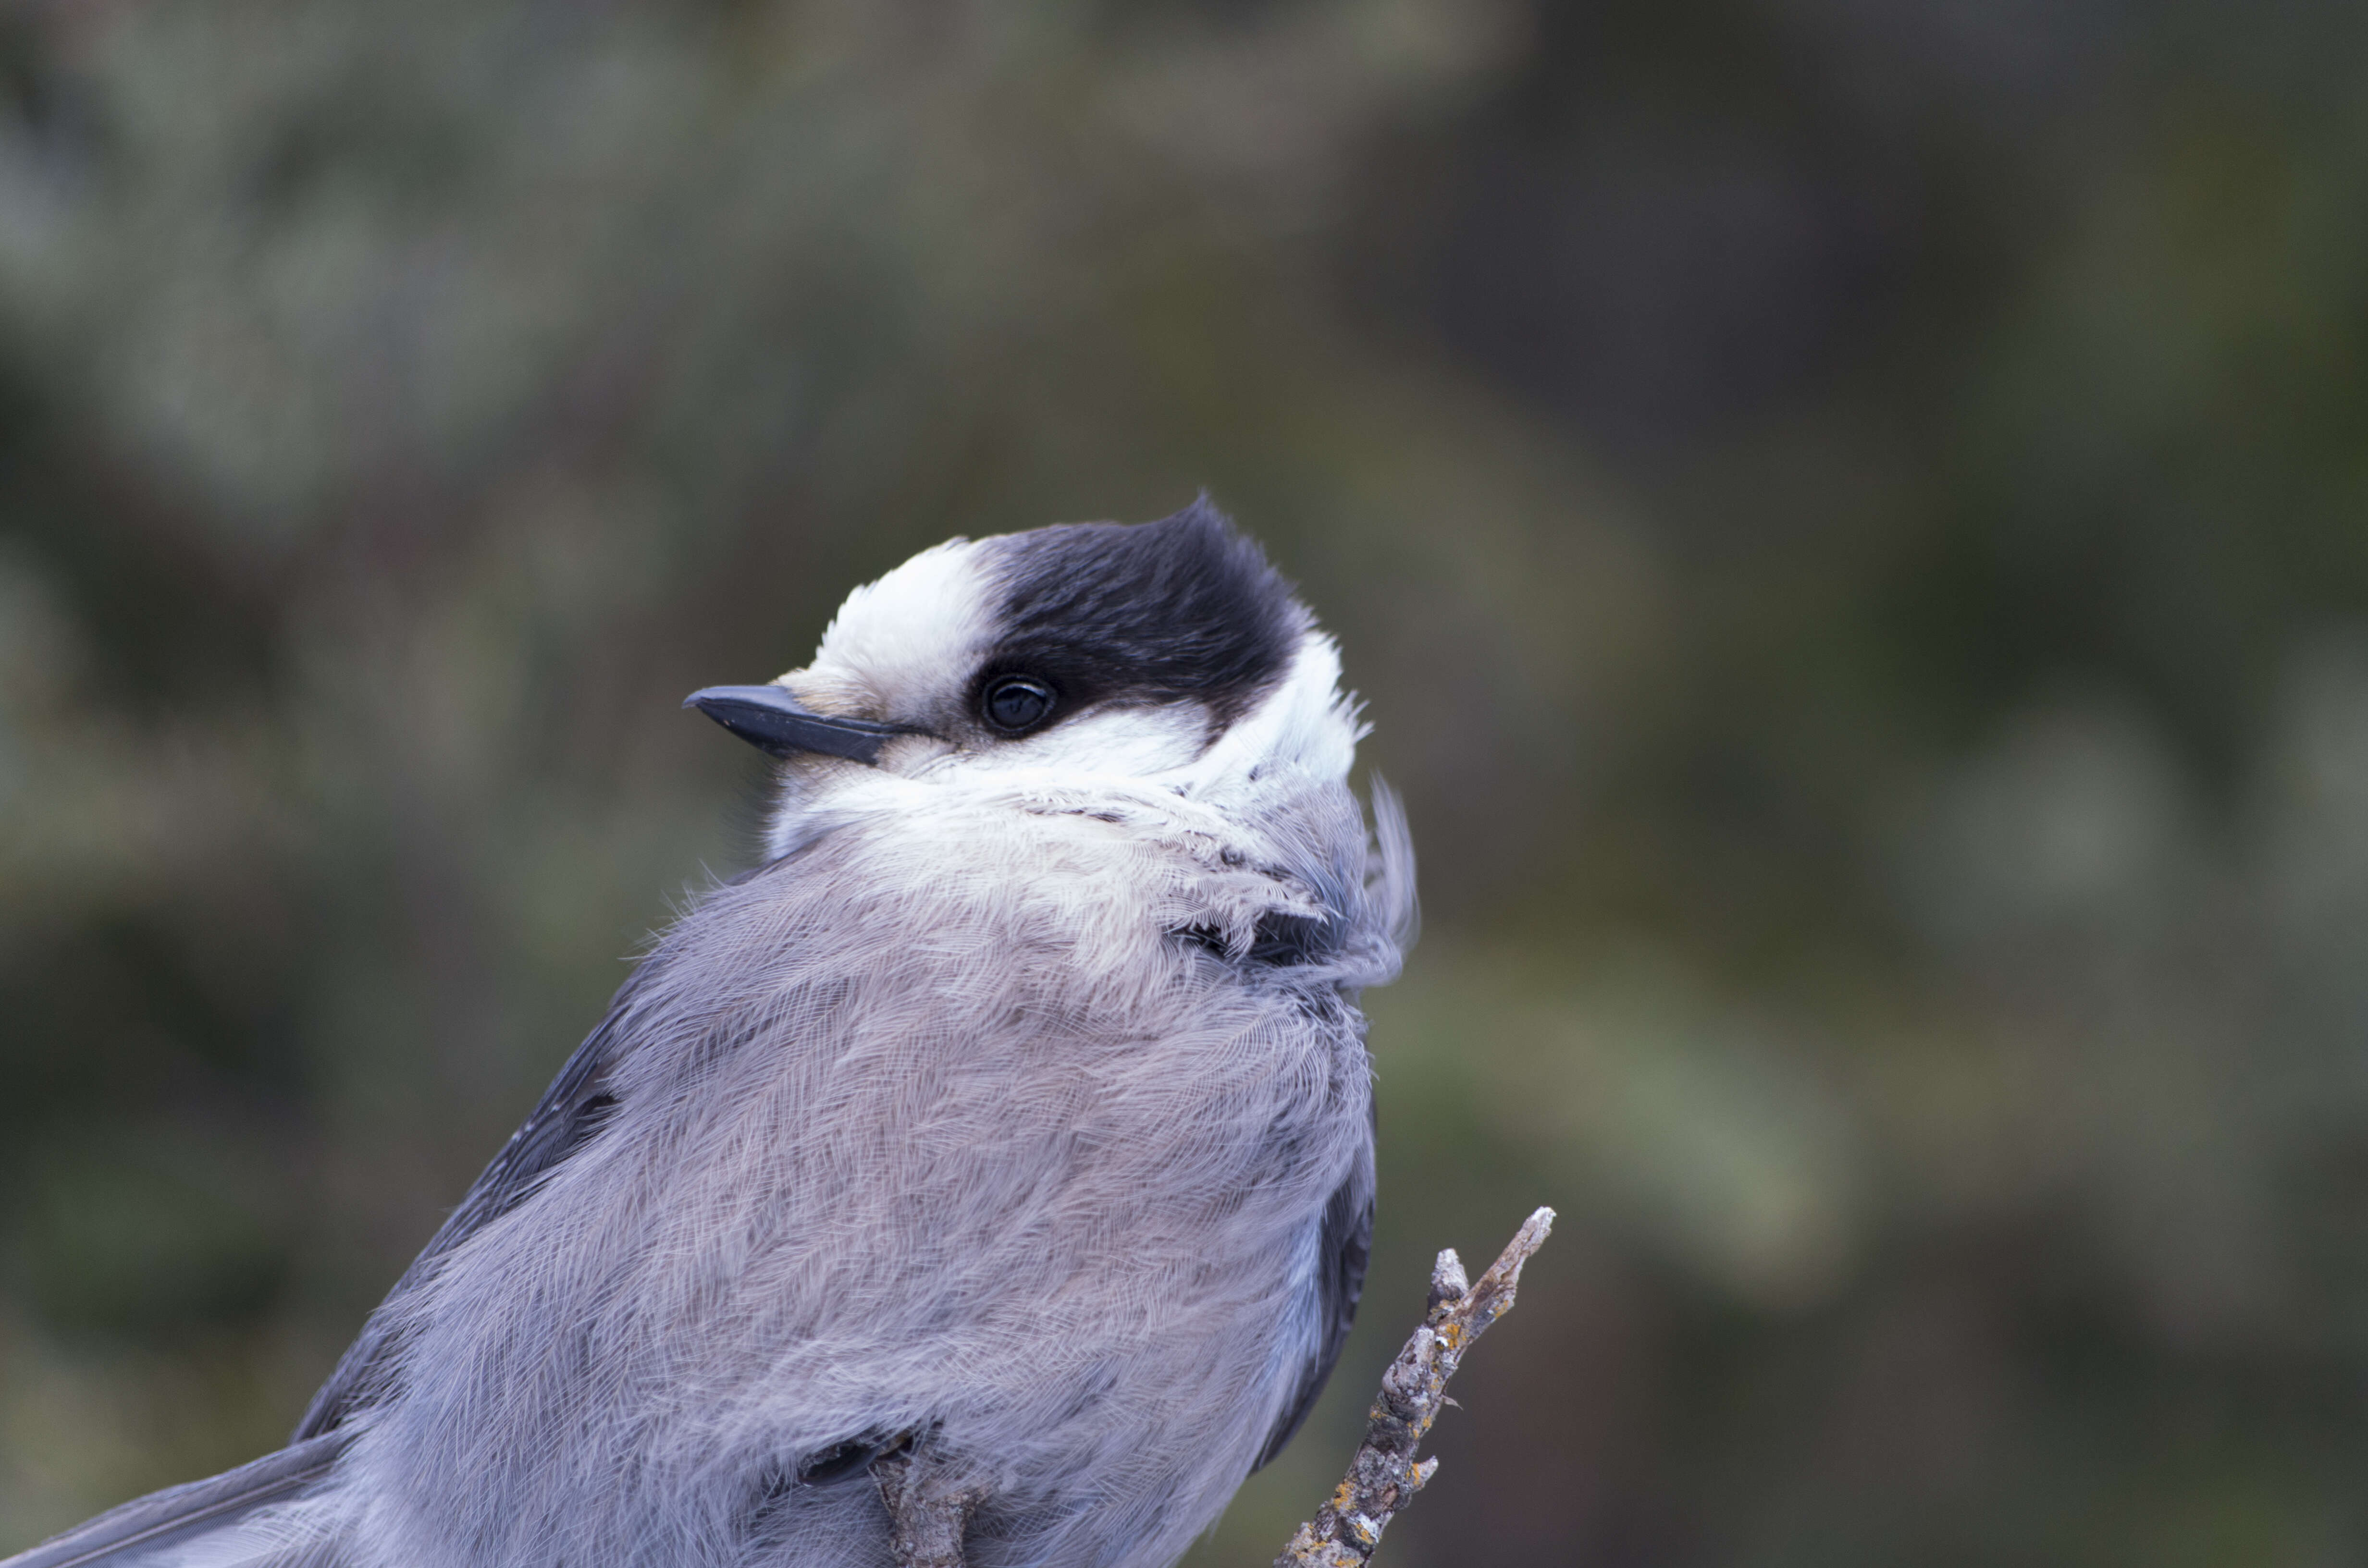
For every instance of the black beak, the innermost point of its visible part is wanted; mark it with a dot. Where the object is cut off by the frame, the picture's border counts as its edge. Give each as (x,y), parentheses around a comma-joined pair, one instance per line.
(771,719)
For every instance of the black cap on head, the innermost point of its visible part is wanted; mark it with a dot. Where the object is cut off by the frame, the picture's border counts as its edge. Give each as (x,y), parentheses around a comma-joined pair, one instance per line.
(1185,609)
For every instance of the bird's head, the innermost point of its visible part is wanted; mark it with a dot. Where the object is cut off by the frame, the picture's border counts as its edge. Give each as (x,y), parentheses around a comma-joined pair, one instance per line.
(1166,654)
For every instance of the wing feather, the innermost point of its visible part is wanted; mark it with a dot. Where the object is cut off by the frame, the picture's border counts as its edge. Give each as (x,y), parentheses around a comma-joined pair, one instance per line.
(1343,1246)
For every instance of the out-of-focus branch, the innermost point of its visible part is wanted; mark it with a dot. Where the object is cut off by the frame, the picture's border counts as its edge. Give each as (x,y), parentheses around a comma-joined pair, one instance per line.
(1385,1475)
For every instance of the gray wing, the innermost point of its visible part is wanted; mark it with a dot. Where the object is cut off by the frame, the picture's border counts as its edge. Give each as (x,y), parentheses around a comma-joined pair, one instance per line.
(1344,1245)
(569,1113)
(137,1533)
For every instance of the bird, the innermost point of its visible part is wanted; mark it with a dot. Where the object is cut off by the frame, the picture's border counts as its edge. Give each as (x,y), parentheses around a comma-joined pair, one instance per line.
(1011,1116)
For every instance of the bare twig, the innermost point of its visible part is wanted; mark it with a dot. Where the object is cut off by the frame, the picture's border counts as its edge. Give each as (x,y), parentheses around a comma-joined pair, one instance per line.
(1384,1476)
(924,1521)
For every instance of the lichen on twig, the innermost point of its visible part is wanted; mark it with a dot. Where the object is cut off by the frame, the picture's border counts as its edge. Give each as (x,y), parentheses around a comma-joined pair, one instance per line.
(1385,1475)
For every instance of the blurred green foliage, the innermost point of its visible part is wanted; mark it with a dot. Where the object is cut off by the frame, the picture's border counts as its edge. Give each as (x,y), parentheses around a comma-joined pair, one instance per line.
(1849,517)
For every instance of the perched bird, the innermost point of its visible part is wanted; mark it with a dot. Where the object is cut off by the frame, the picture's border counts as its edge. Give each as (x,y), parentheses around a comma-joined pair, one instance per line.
(1012,1117)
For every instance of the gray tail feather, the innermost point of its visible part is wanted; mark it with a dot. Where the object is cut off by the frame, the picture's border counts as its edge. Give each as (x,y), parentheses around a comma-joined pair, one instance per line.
(178,1524)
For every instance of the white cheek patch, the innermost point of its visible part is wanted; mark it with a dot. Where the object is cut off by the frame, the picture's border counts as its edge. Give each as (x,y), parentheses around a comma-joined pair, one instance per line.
(1133,742)
(906,636)
(1303,725)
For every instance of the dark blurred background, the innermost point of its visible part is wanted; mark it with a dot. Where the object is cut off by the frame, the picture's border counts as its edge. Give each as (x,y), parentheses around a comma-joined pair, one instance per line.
(1848,515)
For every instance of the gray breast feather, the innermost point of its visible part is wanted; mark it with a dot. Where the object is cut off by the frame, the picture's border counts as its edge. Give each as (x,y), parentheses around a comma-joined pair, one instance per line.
(931,1128)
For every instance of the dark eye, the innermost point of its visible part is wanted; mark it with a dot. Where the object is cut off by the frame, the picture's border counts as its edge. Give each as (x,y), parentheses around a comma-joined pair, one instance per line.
(1013,703)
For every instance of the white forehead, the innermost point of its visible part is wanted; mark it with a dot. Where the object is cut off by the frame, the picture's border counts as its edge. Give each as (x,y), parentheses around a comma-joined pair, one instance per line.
(911,629)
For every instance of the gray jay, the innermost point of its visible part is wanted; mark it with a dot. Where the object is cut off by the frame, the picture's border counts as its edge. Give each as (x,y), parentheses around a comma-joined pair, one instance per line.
(1013,1114)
